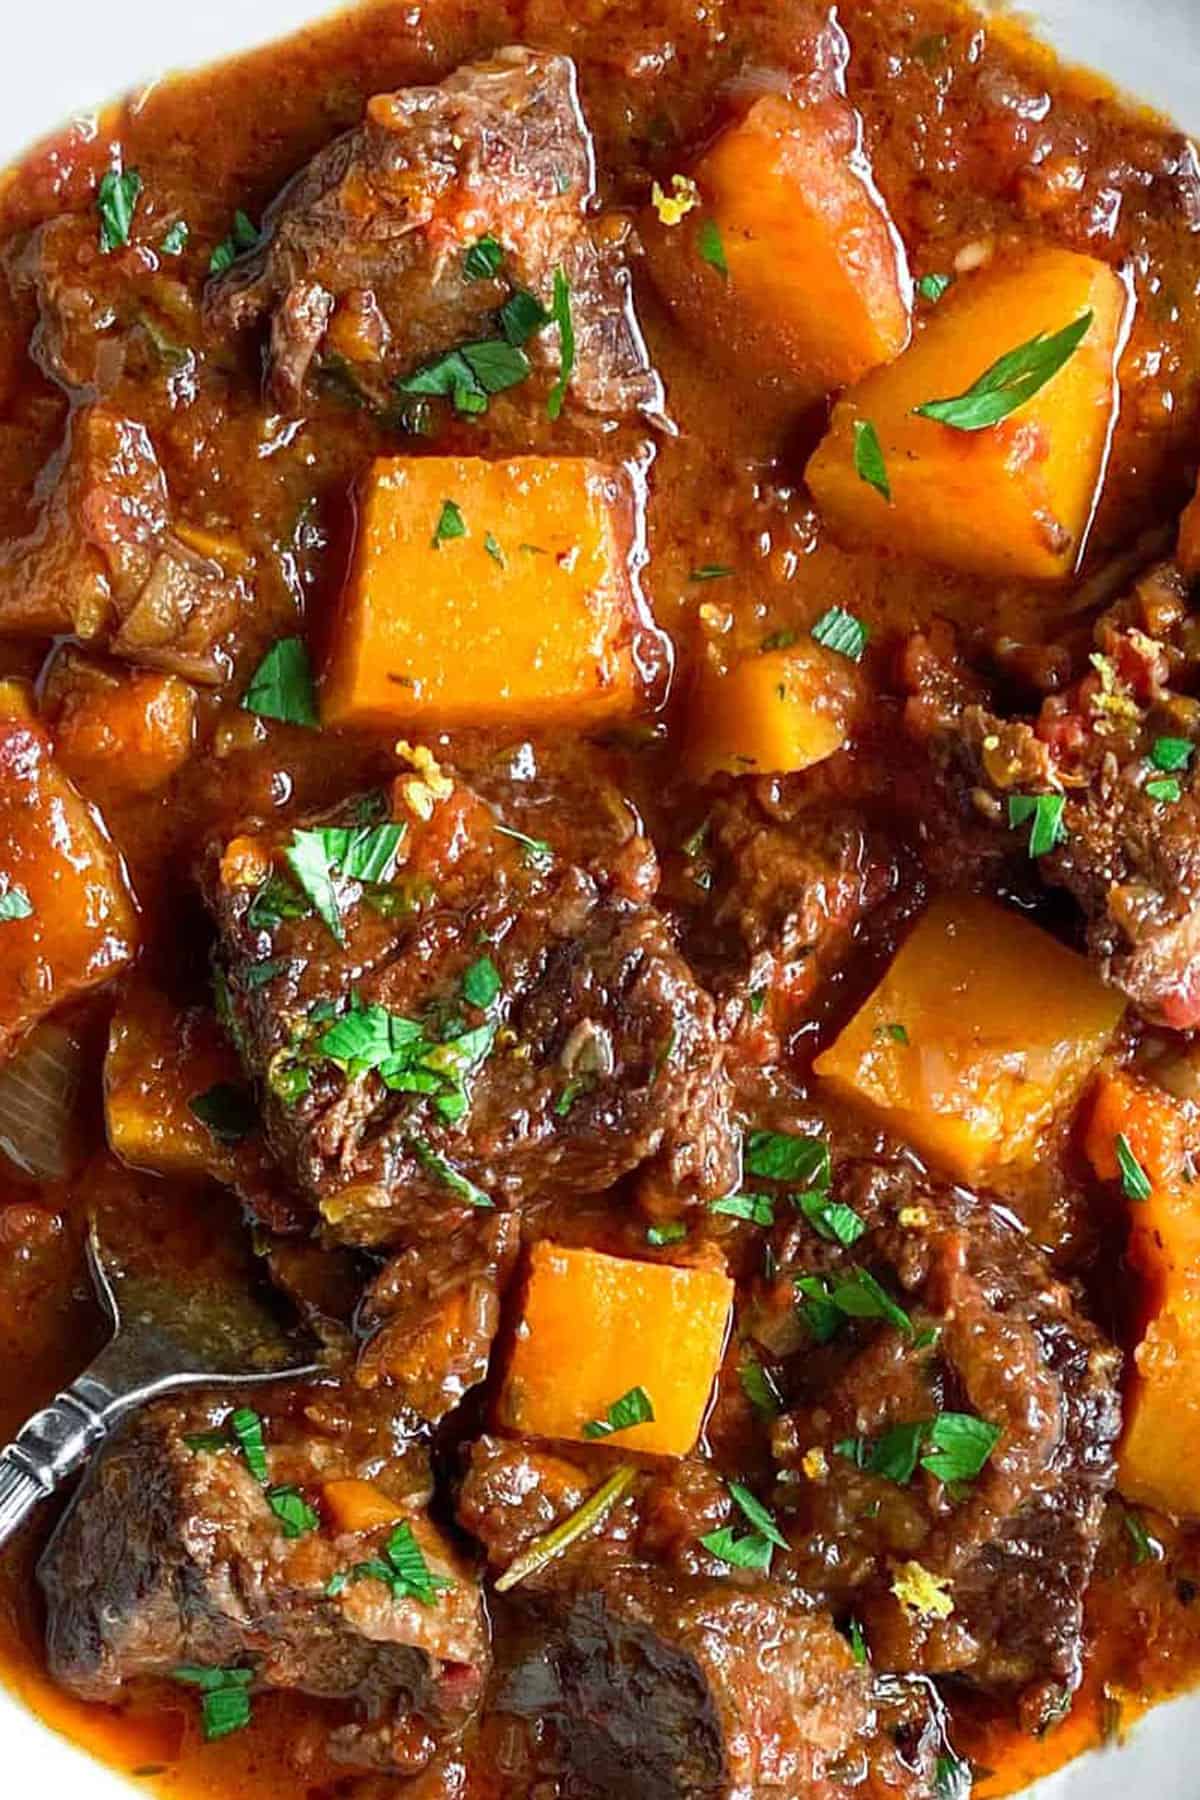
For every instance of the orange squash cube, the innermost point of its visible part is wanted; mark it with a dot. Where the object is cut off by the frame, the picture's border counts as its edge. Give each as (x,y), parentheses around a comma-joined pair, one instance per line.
(1016,498)
(982,1030)
(118,730)
(593,1327)
(771,713)
(158,1061)
(487,593)
(1158,1463)
(69,920)
(815,290)
(360,1506)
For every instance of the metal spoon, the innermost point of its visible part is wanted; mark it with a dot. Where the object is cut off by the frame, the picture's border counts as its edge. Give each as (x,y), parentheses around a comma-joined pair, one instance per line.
(215,1333)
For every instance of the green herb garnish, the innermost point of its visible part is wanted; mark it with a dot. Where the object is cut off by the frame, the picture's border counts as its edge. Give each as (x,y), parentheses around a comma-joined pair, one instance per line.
(1012,380)
(1046,813)
(244,236)
(869,465)
(673,1232)
(759,1387)
(1135,1183)
(116,198)
(710,572)
(932,287)
(451,524)
(365,853)
(292,1510)
(830,1218)
(470,375)
(560,313)
(712,250)
(1171,753)
(402,1568)
(225,1706)
(175,238)
(755,1209)
(481,983)
(538,853)
(246,1430)
(842,631)
(633,1408)
(453,1178)
(282,685)
(15,904)
(1166,791)
(780,1156)
(484,259)
(753,1550)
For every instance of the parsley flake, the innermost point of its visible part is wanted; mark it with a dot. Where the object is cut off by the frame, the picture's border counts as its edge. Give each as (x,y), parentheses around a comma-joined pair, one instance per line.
(755,1209)
(869,464)
(116,198)
(225,1705)
(1045,811)
(292,1510)
(481,983)
(1171,753)
(243,237)
(560,313)
(842,631)
(633,1408)
(15,904)
(227,1110)
(246,1430)
(932,287)
(470,375)
(710,572)
(1135,1183)
(1166,791)
(754,1549)
(1010,381)
(831,1219)
(673,1232)
(282,685)
(175,238)
(451,524)
(712,250)
(484,259)
(781,1156)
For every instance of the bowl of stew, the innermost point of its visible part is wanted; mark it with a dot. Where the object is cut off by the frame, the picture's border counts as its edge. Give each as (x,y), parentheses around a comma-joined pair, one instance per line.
(597,774)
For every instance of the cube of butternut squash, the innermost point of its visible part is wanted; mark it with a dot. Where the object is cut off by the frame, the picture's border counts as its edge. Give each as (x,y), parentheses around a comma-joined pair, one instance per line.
(487,593)
(771,713)
(118,730)
(67,918)
(158,1061)
(789,264)
(1016,498)
(1158,1463)
(594,1327)
(982,1030)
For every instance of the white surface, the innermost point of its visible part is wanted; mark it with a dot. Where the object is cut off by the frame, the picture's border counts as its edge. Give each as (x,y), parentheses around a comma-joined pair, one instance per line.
(82,52)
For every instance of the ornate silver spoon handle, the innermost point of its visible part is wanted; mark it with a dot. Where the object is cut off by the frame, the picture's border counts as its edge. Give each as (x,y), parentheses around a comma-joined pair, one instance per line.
(52,1445)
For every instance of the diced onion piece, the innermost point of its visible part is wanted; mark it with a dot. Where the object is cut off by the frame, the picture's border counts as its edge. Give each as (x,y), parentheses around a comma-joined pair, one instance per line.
(39,1091)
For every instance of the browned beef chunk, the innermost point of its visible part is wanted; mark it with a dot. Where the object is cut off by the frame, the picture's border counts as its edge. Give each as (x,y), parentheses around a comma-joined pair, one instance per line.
(662,1679)
(528,1023)
(995,1336)
(172,1556)
(433,1312)
(1129,847)
(107,563)
(790,885)
(361,260)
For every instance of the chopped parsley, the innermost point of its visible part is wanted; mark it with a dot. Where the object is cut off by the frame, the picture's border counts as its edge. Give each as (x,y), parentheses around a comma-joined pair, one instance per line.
(758,1000)
(292,1510)
(1135,1183)
(481,983)
(1010,381)
(824,1301)
(1145,1549)
(454,1179)
(560,313)
(282,685)
(227,1110)
(538,853)
(829,1218)
(521,316)
(952,1778)
(858,1643)
(246,1430)
(842,631)
(451,524)
(225,1705)
(493,549)
(484,259)
(116,199)
(633,1408)
(753,1549)
(275,901)
(1044,813)
(673,1232)
(244,236)
(755,1209)
(712,250)
(402,1568)
(780,1156)
(175,238)
(710,572)
(932,287)
(869,465)
(470,375)
(15,904)
(892,1034)
(953,1447)
(1166,790)
(759,1387)
(364,853)
(1171,753)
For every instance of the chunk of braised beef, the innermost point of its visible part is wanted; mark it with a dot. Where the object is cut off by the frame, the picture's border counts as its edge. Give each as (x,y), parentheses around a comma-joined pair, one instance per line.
(107,563)
(172,1555)
(1127,840)
(362,258)
(982,1577)
(547,1033)
(432,1313)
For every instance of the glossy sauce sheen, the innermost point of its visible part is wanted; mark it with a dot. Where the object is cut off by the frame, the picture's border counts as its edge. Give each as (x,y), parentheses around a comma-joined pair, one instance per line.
(975,138)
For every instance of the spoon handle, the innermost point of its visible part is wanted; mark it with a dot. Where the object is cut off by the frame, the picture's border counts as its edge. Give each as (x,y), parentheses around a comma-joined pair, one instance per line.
(50,1446)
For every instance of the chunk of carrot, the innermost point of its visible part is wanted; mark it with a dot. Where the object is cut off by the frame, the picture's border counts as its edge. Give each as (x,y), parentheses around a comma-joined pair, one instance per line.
(69,918)
(487,593)
(771,713)
(1014,499)
(360,1505)
(983,1030)
(789,264)
(1158,1466)
(159,1060)
(594,1327)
